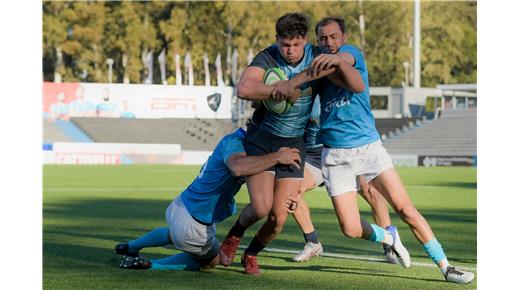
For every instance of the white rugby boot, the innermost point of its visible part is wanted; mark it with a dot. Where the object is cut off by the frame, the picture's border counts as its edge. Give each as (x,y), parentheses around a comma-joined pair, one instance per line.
(458,276)
(309,250)
(398,248)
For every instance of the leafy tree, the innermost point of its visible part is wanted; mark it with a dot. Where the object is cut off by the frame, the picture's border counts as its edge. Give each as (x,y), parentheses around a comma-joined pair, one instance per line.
(87,33)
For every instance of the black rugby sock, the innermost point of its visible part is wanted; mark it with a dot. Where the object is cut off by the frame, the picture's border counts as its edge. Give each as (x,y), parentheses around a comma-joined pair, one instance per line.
(237,230)
(311,237)
(254,247)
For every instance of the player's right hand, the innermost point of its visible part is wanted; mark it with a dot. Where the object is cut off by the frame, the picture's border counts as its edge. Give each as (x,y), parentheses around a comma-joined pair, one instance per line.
(283,90)
(289,156)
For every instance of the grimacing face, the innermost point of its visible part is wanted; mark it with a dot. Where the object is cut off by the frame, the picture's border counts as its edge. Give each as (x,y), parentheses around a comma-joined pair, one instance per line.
(292,49)
(330,37)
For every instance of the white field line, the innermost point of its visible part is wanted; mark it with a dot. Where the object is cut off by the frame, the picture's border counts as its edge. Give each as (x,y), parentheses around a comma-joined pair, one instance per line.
(355,257)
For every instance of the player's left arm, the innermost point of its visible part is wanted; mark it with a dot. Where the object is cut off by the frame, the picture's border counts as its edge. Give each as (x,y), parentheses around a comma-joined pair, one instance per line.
(337,67)
(242,165)
(346,75)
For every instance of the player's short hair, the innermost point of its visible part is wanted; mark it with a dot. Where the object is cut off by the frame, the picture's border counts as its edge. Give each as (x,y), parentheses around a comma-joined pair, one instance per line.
(329,20)
(292,25)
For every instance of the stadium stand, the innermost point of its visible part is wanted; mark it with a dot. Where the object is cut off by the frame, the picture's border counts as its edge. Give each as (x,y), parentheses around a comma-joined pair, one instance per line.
(454,133)
(386,126)
(191,134)
(52,133)
(72,131)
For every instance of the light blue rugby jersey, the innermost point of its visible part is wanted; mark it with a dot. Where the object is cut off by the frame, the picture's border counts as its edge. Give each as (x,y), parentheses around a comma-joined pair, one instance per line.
(293,122)
(210,197)
(106,107)
(82,106)
(346,119)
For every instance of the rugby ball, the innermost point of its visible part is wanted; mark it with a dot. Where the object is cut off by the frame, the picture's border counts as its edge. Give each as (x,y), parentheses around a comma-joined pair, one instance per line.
(271,76)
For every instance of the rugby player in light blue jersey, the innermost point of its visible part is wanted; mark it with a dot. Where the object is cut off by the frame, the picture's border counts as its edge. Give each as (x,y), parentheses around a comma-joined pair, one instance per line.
(269,190)
(106,108)
(352,147)
(60,109)
(80,107)
(209,199)
(313,178)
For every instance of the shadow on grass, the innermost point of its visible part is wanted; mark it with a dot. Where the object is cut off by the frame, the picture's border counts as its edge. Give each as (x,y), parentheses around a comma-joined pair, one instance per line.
(119,220)
(337,269)
(466,185)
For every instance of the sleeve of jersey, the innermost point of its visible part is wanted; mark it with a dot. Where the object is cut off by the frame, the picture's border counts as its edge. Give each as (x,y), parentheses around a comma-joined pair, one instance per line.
(316,50)
(358,56)
(264,59)
(232,146)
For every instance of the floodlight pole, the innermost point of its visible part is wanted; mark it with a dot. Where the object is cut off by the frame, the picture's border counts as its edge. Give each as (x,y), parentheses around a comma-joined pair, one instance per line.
(406,74)
(110,62)
(417,44)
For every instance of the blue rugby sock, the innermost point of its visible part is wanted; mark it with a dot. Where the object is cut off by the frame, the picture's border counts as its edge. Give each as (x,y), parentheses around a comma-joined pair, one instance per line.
(434,250)
(378,234)
(179,262)
(155,238)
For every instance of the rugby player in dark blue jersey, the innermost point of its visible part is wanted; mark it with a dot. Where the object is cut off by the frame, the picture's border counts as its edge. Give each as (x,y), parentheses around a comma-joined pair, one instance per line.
(267,132)
(208,200)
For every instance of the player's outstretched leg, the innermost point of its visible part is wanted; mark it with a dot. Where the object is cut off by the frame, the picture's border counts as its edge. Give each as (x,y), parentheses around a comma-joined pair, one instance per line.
(155,238)
(260,187)
(390,185)
(302,215)
(229,246)
(353,226)
(179,262)
(312,246)
(451,274)
(272,226)
(380,213)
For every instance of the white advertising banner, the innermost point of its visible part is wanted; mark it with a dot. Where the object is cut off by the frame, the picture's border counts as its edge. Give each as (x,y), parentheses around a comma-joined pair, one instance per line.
(137,100)
(405,160)
(111,153)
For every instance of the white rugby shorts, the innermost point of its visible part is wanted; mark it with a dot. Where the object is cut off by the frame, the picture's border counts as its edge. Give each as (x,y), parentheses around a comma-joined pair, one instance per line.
(341,166)
(316,173)
(188,235)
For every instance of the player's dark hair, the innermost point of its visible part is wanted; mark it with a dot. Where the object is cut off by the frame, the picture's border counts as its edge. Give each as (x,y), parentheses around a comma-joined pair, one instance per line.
(292,25)
(329,20)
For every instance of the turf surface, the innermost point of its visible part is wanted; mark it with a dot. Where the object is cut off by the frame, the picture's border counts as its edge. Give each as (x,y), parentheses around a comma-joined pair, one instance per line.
(88,209)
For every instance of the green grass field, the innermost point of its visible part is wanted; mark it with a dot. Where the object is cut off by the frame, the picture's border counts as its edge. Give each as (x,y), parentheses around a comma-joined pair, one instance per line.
(88,209)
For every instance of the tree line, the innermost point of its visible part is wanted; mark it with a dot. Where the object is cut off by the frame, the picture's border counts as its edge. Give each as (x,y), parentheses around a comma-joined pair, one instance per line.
(78,37)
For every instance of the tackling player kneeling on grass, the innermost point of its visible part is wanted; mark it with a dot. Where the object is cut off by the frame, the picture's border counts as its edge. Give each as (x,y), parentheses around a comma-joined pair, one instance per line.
(353,147)
(208,200)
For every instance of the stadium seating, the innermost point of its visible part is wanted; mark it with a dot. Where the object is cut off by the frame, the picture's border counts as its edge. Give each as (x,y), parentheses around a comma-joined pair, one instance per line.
(454,133)
(191,134)
(387,126)
(51,133)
